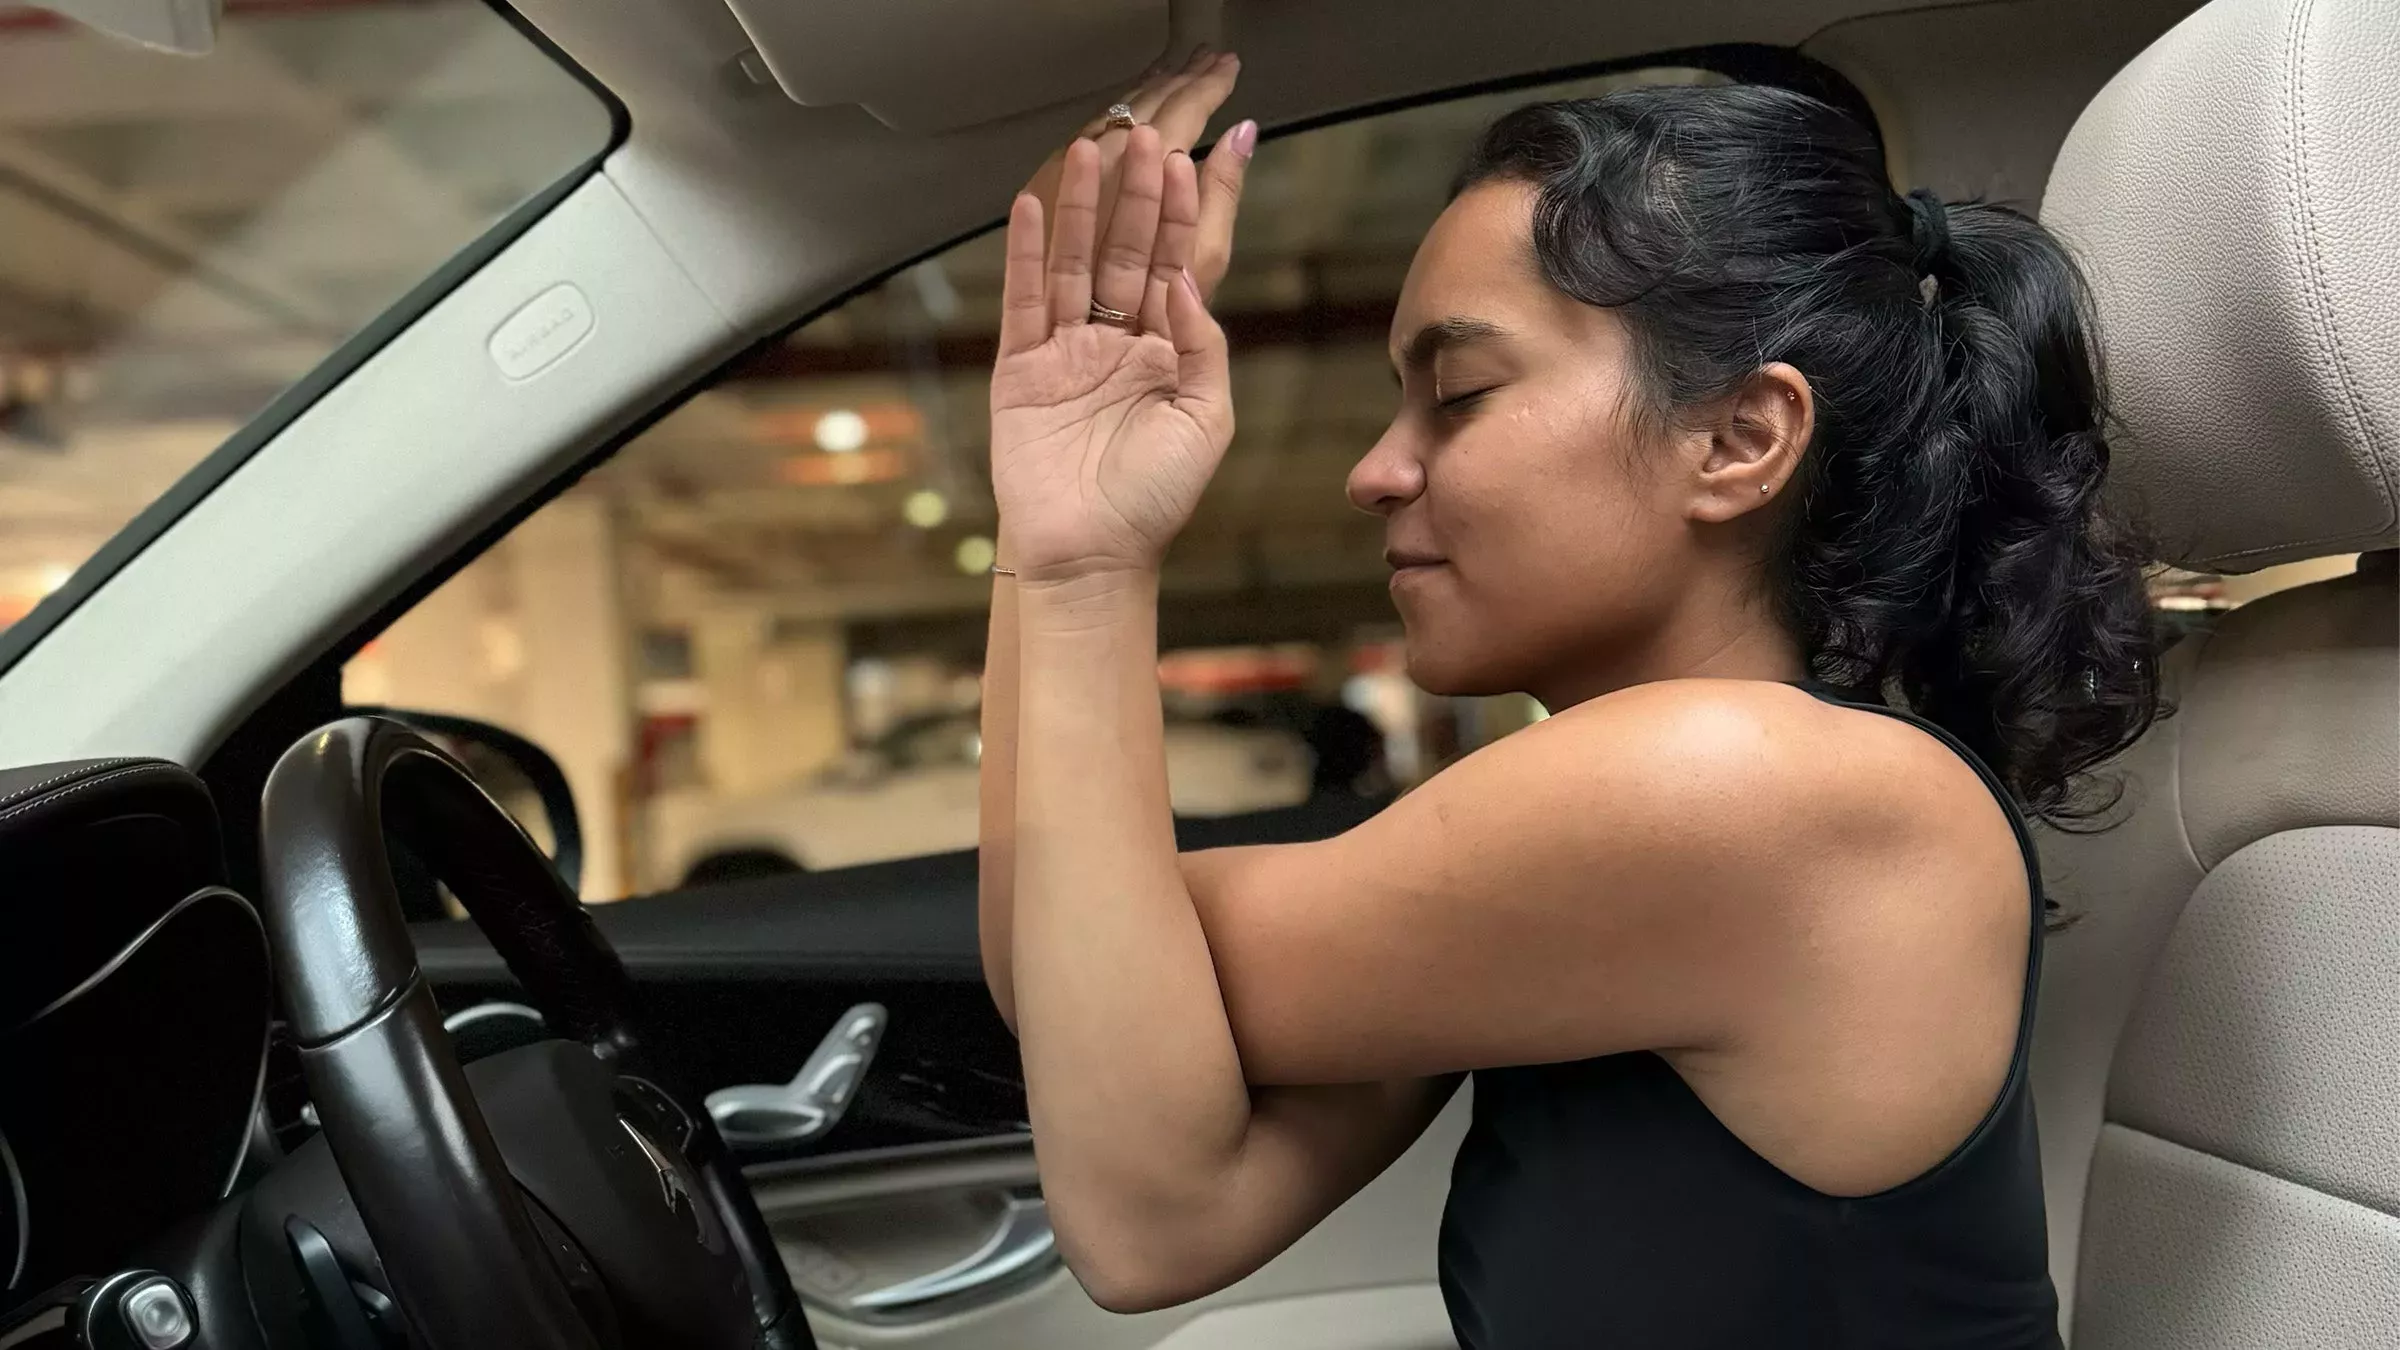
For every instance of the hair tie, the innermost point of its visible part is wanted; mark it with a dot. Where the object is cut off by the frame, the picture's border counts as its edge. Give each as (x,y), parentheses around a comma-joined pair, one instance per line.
(1928,230)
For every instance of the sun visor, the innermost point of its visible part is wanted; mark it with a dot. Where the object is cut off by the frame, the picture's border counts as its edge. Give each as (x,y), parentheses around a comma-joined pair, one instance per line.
(927,66)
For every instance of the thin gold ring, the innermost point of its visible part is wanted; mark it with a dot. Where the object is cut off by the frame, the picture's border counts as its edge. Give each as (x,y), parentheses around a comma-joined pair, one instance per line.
(1103,314)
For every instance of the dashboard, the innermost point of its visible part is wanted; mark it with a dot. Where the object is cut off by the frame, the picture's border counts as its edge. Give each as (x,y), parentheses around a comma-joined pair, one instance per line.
(135,1012)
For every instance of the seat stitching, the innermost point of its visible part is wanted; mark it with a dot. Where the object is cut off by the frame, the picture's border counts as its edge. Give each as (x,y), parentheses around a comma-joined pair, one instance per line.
(84,786)
(2312,267)
(93,767)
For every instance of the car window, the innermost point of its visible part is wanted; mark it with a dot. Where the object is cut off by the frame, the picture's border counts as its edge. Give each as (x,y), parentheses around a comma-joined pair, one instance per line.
(753,638)
(182,239)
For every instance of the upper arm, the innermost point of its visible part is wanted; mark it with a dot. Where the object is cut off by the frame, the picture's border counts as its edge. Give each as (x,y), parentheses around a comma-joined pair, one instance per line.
(1647,871)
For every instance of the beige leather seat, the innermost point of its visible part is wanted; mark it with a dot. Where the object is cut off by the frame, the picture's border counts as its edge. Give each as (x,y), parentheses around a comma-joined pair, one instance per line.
(2218,1055)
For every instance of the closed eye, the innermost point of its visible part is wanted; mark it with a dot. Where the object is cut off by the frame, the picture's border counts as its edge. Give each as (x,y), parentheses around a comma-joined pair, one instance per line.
(1458,403)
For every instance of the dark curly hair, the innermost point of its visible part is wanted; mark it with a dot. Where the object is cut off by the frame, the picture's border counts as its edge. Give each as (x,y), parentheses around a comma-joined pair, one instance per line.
(1946,544)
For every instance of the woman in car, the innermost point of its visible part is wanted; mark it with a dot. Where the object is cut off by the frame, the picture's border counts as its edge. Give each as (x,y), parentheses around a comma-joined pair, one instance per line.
(1781,490)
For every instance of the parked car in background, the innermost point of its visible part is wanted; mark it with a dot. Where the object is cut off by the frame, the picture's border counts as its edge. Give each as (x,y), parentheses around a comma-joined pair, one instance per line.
(912,792)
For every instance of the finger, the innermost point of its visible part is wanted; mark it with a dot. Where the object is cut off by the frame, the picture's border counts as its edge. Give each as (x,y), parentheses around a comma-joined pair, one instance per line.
(1123,268)
(1155,91)
(1178,220)
(1220,202)
(1203,380)
(1070,271)
(1185,111)
(1144,101)
(1156,86)
(1024,303)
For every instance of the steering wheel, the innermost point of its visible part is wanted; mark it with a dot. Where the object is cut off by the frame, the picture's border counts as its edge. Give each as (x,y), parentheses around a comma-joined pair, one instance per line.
(560,1196)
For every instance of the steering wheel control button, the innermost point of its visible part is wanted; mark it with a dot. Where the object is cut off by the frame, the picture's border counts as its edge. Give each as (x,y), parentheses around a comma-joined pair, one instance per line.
(133,1310)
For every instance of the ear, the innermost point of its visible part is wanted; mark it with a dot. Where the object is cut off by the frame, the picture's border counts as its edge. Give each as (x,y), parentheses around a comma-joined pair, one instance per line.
(1755,442)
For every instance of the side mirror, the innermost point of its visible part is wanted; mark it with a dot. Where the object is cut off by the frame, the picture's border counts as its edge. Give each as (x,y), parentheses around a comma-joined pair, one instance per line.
(185,27)
(520,776)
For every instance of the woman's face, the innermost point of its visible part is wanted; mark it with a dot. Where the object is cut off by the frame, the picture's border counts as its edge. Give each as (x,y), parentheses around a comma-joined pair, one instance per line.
(1534,539)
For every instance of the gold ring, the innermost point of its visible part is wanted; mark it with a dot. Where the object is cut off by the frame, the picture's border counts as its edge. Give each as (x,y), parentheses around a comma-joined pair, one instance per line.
(1118,117)
(1103,314)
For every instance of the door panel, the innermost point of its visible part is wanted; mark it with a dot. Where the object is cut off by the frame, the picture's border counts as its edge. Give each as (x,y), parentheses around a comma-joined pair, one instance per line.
(1364,1280)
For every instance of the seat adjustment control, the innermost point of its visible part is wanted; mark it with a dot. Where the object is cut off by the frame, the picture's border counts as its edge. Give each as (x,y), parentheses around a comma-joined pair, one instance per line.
(781,1114)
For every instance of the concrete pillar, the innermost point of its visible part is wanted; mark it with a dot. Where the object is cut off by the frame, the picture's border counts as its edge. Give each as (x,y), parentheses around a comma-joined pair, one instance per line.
(574,696)
(772,698)
(456,652)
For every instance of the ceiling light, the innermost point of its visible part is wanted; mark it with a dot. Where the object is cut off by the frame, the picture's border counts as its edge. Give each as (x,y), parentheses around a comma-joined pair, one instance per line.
(925,508)
(841,431)
(975,554)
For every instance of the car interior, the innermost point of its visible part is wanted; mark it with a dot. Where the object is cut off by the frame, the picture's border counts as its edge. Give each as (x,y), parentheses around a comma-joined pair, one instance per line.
(345,1004)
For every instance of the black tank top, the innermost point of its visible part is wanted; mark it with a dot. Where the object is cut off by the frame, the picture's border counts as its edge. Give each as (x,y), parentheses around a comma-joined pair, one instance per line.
(1600,1205)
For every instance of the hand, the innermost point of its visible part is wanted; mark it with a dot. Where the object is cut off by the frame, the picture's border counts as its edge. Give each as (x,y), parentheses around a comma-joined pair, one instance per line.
(1178,104)
(1103,438)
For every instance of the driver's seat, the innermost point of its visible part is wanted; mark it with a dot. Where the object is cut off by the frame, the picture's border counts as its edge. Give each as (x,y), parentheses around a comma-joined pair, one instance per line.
(2218,1056)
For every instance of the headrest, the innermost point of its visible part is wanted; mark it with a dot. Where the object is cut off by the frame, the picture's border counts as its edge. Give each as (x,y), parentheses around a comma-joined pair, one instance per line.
(2234,195)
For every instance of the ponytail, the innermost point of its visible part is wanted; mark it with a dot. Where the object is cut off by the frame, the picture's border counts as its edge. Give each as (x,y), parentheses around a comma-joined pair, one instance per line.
(2041,652)
(1947,545)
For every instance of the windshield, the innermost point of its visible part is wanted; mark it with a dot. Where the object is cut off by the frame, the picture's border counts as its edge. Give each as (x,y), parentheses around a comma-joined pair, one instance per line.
(181,239)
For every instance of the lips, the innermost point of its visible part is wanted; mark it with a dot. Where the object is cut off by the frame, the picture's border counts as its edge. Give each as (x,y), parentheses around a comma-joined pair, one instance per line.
(1401,560)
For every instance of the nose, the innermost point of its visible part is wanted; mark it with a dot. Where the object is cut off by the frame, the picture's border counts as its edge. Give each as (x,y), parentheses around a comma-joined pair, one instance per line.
(1389,476)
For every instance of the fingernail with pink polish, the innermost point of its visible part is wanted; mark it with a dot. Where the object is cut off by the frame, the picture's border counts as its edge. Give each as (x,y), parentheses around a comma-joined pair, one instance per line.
(1243,139)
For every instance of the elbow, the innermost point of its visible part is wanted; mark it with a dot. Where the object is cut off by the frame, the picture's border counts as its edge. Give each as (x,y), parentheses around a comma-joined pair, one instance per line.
(1134,1297)
(1129,1270)
(1122,1285)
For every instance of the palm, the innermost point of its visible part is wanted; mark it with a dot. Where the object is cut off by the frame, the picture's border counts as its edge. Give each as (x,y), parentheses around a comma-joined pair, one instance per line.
(1094,456)
(1103,438)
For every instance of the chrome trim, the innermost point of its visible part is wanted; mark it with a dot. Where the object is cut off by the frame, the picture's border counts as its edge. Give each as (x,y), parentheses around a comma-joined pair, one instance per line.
(813,1102)
(467,1017)
(24,1208)
(1021,1241)
(258,1104)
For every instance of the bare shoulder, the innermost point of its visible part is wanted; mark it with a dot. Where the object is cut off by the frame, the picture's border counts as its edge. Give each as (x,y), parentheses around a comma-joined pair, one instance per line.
(1839,818)
(1791,761)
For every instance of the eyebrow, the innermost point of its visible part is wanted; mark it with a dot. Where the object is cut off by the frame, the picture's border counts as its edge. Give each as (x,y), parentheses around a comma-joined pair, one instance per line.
(1431,340)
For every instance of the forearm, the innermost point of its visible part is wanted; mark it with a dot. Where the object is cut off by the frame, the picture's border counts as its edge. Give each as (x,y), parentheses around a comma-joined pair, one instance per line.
(996,798)
(1139,1108)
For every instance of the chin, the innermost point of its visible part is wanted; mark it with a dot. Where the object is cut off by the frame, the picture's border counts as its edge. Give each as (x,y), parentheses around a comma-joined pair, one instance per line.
(1447,670)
